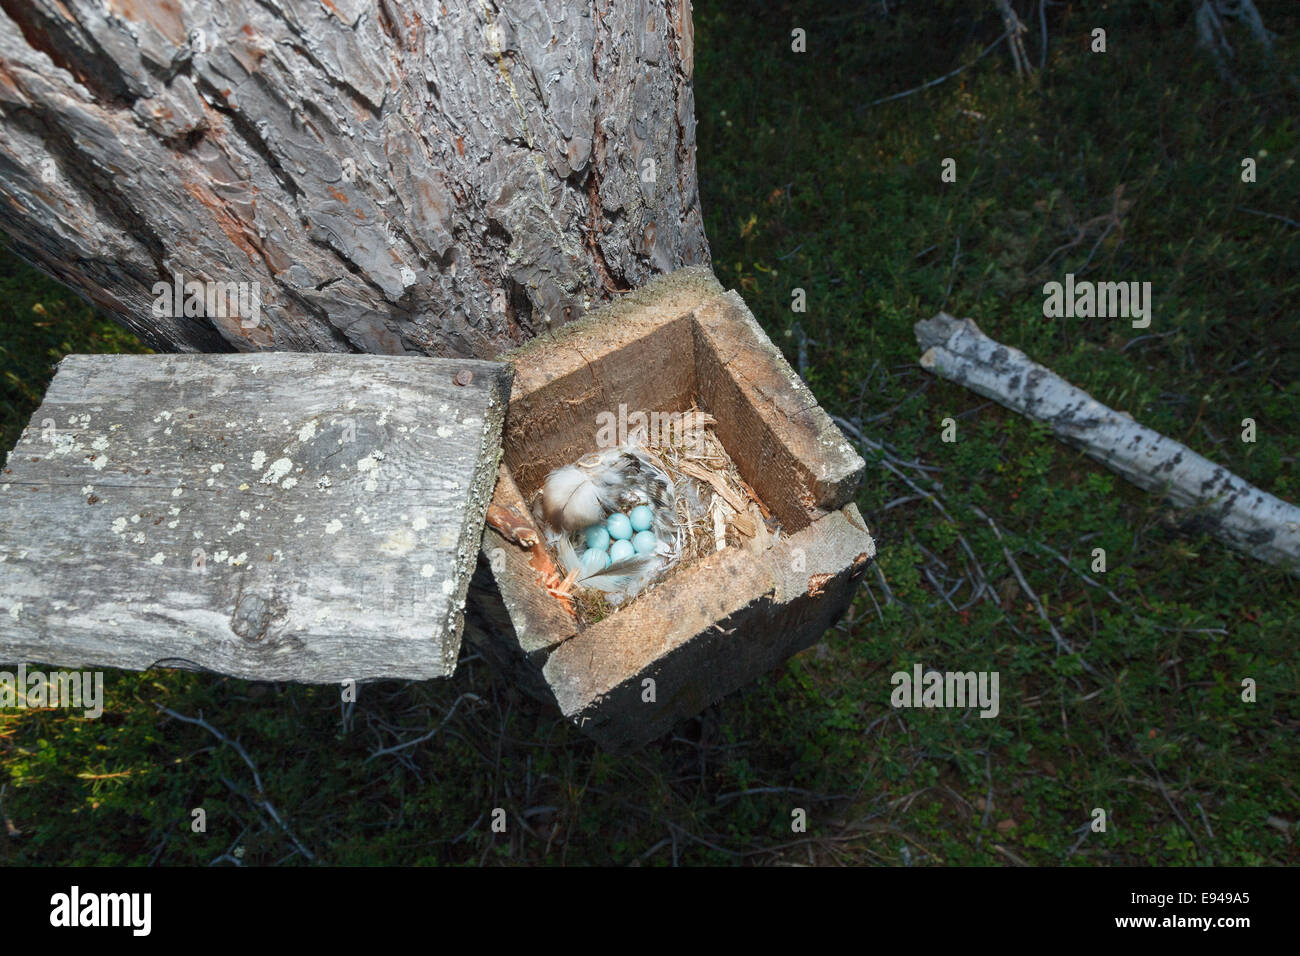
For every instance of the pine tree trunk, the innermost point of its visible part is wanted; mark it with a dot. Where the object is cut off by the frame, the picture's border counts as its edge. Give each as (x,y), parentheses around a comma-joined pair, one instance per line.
(447,177)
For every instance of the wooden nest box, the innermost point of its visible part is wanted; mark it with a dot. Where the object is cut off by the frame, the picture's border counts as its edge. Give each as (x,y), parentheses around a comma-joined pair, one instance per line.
(318,518)
(719,622)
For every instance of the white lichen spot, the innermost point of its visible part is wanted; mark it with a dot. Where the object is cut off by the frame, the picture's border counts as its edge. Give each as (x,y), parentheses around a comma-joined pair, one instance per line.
(138,537)
(323,482)
(448,586)
(259,459)
(172,524)
(219,556)
(289,482)
(119,525)
(217,467)
(135,519)
(307,432)
(299,519)
(370,462)
(16,610)
(100,443)
(444,431)
(236,562)
(334,527)
(245,515)
(157,558)
(420,523)
(426,571)
(279,468)
(173,510)
(98,462)
(400,541)
(177,492)
(87,489)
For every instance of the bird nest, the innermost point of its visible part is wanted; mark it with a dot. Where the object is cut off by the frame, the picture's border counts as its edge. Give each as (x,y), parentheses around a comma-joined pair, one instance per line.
(704,505)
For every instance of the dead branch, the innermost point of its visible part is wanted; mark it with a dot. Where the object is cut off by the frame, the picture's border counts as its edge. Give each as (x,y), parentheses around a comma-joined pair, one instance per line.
(1245,517)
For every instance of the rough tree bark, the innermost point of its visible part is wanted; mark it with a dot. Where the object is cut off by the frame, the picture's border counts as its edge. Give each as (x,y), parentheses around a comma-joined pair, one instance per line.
(428,176)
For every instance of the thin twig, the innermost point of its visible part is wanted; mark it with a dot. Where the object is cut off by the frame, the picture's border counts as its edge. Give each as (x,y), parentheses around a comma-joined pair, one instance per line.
(1271,215)
(1061,642)
(947,76)
(419,740)
(1042,23)
(263,802)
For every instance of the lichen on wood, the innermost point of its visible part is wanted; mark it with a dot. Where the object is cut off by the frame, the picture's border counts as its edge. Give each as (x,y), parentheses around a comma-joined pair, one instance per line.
(273,517)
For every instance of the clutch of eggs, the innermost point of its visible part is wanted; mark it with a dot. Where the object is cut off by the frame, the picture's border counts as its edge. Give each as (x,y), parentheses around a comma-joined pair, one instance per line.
(621,536)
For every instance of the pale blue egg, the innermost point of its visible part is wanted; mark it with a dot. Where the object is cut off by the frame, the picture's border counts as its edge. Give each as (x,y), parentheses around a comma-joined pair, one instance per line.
(619,526)
(641,517)
(598,537)
(620,549)
(594,560)
(645,542)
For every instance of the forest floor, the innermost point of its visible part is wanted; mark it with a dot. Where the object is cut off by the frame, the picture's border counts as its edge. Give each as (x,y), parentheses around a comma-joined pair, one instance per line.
(1117,166)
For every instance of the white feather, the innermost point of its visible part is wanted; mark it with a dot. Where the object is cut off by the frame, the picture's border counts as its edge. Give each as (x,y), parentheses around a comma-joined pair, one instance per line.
(571,499)
(624,578)
(568,556)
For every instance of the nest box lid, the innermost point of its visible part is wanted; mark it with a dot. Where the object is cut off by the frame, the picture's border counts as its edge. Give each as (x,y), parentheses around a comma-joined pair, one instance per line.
(276,516)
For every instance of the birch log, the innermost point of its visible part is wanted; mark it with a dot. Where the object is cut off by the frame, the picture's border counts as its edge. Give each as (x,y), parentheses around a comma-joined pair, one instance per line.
(442,177)
(1235,511)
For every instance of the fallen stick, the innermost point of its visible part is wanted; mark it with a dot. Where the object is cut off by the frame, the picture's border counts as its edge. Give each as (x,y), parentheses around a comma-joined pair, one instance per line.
(1246,517)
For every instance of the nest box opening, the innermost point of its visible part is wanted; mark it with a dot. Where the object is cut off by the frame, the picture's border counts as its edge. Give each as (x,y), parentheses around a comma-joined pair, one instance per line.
(652,380)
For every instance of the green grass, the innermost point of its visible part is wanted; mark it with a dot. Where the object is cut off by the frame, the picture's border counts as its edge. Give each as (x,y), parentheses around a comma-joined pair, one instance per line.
(805,185)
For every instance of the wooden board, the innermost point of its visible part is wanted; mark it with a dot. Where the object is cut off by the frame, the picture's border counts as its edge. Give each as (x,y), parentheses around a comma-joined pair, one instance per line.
(282,516)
